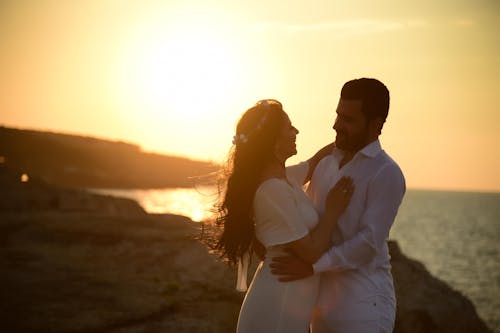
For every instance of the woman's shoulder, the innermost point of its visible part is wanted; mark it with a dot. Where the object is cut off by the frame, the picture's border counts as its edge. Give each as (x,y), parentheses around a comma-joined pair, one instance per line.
(273,186)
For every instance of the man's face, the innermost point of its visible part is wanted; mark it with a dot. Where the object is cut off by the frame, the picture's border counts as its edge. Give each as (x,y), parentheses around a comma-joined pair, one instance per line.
(351,126)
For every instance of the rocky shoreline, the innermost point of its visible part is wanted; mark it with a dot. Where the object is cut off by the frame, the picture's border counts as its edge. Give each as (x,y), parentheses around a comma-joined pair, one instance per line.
(88,263)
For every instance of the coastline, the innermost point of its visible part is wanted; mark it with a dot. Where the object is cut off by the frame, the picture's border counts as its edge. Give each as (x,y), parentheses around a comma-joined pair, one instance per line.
(73,261)
(82,272)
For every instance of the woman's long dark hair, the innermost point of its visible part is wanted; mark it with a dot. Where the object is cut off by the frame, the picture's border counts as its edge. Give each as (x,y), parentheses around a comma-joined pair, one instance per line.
(253,149)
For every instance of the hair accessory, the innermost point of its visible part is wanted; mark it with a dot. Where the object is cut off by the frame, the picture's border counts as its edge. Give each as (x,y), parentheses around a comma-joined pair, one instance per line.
(266,105)
(241,138)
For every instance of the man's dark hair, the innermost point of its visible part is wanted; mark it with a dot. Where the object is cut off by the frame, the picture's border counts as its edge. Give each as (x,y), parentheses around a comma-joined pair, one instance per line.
(372,93)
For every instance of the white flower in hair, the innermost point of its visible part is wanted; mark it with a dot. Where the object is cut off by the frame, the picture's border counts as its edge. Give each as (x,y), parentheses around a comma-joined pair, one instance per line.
(241,138)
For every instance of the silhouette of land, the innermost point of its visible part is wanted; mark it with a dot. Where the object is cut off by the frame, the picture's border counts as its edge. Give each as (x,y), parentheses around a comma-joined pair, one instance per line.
(80,161)
(73,261)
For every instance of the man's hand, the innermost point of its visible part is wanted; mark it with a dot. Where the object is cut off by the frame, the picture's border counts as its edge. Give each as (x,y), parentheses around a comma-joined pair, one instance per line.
(290,268)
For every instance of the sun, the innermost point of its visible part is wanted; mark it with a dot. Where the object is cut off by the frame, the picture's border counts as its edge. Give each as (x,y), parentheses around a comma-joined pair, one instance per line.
(182,79)
(191,70)
(179,70)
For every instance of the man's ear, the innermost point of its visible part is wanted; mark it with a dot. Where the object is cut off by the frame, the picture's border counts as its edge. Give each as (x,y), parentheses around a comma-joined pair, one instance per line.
(376,125)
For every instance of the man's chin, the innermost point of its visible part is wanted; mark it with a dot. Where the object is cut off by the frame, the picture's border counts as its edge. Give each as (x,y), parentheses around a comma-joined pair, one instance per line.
(292,153)
(341,145)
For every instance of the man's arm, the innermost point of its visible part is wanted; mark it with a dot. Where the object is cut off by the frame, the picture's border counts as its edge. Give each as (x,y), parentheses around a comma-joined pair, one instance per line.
(385,193)
(291,268)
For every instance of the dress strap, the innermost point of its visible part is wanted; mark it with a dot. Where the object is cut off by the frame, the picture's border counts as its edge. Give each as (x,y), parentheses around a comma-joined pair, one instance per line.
(241,283)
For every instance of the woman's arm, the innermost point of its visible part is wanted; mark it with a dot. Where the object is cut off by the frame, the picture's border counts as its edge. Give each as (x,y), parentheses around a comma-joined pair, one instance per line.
(313,245)
(314,160)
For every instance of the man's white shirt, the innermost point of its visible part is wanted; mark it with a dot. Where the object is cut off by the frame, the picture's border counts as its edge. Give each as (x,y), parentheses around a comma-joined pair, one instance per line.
(356,269)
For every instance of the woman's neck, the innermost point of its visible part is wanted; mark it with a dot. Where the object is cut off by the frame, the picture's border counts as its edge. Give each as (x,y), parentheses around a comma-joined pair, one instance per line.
(275,169)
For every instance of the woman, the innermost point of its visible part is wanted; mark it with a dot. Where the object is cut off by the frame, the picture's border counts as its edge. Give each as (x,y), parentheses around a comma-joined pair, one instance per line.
(261,206)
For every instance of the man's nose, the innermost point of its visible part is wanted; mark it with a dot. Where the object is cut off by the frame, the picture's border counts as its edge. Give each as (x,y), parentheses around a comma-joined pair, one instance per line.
(336,124)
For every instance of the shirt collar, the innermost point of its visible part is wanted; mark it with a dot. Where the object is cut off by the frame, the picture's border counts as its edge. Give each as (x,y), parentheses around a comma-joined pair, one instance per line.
(370,150)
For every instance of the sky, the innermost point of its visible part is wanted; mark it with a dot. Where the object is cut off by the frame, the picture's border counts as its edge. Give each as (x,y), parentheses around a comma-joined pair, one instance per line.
(175,76)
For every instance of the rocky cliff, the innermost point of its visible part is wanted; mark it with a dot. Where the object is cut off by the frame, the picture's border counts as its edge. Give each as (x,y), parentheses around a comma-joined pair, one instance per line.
(70,263)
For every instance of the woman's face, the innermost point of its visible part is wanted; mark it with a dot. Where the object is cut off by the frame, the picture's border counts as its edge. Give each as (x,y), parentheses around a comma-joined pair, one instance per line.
(285,144)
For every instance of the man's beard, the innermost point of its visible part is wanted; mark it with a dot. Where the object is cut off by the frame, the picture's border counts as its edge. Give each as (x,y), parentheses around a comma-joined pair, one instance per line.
(355,143)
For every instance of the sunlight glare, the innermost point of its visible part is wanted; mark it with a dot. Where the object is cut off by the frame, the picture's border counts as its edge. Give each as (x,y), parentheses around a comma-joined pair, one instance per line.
(180,71)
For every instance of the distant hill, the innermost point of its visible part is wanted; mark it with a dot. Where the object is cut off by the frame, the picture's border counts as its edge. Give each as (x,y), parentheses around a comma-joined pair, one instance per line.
(79,161)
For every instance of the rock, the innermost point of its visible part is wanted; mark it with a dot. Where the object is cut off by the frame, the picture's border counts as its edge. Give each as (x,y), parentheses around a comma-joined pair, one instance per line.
(66,272)
(35,195)
(427,304)
(72,261)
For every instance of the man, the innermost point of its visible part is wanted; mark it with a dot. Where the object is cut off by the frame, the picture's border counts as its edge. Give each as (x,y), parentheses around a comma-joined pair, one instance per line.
(356,292)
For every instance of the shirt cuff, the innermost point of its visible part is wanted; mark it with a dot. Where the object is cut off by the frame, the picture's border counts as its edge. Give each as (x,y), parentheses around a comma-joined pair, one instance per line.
(323,264)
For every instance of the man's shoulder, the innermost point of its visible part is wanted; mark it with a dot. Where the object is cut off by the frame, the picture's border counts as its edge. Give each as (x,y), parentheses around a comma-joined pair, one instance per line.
(388,166)
(384,158)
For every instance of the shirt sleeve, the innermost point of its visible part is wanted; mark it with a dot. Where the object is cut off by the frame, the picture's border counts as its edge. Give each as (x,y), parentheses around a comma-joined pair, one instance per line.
(384,195)
(297,173)
(277,217)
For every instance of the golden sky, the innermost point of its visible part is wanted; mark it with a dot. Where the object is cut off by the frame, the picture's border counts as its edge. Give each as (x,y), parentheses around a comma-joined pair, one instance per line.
(174,76)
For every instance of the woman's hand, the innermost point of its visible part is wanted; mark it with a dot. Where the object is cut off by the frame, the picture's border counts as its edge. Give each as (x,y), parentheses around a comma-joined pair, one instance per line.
(339,196)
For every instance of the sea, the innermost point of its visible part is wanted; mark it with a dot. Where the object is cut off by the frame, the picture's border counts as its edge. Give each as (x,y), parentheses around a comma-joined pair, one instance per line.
(456,235)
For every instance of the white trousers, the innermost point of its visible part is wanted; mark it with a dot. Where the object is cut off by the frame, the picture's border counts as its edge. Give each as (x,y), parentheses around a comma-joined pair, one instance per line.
(381,321)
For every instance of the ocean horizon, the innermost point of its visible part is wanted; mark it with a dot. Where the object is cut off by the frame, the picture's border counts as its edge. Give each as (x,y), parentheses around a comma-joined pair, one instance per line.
(453,233)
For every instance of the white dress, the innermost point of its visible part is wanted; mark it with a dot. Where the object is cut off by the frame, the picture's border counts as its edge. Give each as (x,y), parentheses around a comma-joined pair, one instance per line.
(283,213)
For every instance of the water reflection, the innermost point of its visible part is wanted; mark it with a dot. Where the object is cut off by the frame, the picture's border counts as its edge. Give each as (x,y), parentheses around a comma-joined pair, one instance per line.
(195,203)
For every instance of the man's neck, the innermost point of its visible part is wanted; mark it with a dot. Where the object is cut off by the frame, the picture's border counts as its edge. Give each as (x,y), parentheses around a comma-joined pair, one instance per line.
(348,155)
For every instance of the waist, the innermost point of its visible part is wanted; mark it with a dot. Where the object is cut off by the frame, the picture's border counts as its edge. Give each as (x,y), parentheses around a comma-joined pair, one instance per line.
(276,251)
(360,283)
